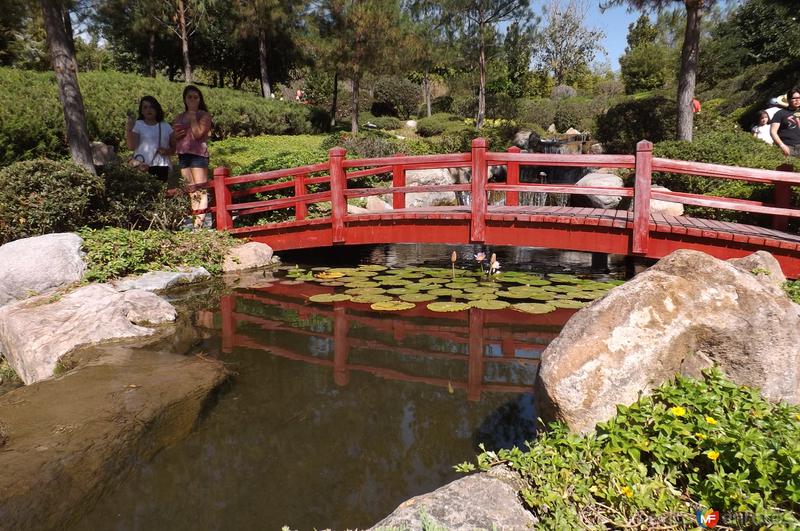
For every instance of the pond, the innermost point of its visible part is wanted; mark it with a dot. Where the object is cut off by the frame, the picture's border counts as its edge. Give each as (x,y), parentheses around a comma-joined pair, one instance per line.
(338,413)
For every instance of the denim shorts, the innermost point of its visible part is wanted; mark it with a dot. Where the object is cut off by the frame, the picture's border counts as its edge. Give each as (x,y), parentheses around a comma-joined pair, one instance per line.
(190,160)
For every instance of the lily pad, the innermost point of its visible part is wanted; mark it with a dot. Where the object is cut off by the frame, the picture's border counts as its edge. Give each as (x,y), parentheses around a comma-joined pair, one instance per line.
(329,297)
(372,267)
(291,282)
(331,284)
(365,291)
(392,306)
(401,291)
(448,306)
(395,282)
(480,289)
(484,304)
(329,275)
(569,304)
(445,292)
(533,307)
(369,299)
(512,294)
(362,284)
(417,297)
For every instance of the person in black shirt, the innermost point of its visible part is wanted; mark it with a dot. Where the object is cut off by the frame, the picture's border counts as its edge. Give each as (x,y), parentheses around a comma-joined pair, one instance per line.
(785,125)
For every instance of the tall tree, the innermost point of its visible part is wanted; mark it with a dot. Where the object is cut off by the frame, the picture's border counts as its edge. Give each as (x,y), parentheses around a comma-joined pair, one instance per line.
(690,52)
(644,64)
(566,46)
(430,45)
(62,54)
(481,17)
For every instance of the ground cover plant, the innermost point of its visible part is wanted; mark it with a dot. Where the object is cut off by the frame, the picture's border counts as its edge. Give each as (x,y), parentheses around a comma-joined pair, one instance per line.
(113,252)
(692,445)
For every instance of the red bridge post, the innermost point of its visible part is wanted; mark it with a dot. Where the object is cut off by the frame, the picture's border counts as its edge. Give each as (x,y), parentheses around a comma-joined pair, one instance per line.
(338,186)
(222,198)
(512,178)
(641,203)
(480,174)
(398,180)
(300,207)
(783,199)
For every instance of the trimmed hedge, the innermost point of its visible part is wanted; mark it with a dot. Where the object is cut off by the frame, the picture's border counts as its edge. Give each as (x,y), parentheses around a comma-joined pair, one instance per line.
(438,124)
(652,118)
(32,122)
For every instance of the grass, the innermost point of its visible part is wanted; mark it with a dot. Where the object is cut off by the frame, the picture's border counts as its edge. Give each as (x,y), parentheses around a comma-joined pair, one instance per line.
(239,153)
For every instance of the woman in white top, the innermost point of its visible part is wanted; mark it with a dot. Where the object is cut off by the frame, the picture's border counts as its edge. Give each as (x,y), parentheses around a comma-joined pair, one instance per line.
(761,131)
(148,137)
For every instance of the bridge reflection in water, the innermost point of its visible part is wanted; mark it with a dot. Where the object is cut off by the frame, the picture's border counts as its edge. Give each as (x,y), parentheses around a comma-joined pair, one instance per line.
(474,351)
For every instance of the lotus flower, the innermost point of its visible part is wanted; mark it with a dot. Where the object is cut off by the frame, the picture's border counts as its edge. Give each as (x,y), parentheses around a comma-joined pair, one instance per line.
(480,257)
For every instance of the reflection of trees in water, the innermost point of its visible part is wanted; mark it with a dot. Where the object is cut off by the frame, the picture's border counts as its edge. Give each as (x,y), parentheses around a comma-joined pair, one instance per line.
(510,425)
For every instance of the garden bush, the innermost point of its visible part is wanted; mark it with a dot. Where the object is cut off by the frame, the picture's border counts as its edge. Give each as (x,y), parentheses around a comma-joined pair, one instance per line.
(43,196)
(395,96)
(114,252)
(692,445)
(239,154)
(623,125)
(387,122)
(438,124)
(32,123)
(541,112)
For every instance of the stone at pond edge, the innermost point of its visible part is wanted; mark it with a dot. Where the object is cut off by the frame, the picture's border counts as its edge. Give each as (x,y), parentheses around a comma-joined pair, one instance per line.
(247,256)
(685,313)
(161,280)
(36,332)
(72,439)
(483,501)
(31,266)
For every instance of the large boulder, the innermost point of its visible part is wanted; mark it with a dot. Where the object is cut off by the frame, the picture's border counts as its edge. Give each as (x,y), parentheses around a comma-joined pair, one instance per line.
(685,313)
(482,501)
(250,255)
(433,177)
(31,266)
(602,180)
(163,280)
(35,333)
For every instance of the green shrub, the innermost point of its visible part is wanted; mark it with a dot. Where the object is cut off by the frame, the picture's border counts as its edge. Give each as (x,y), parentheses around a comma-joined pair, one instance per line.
(395,96)
(541,112)
(650,118)
(43,196)
(366,144)
(438,124)
(792,289)
(388,122)
(691,444)
(441,104)
(32,123)
(114,252)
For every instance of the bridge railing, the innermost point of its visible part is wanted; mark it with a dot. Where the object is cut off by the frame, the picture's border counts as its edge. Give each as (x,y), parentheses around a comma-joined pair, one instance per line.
(338,170)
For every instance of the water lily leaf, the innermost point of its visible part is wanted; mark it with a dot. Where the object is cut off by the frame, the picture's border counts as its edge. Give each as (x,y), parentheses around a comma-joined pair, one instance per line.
(569,304)
(328,275)
(448,306)
(480,289)
(370,298)
(417,297)
(445,292)
(395,282)
(362,284)
(329,297)
(533,307)
(331,284)
(469,296)
(392,306)
(512,294)
(433,280)
(365,291)
(484,304)
(563,278)
(373,267)
(458,285)
(401,291)
(561,288)
(291,282)
(362,273)
(488,296)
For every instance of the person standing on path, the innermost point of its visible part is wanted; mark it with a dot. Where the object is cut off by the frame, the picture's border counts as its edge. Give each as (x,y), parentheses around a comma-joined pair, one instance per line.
(149,138)
(785,125)
(190,138)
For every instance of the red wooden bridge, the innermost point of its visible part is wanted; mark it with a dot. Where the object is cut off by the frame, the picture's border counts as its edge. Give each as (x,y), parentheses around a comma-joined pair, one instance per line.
(638,233)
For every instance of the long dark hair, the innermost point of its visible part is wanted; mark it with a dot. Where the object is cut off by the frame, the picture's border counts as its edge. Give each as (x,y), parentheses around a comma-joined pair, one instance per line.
(187,90)
(157,106)
(795,90)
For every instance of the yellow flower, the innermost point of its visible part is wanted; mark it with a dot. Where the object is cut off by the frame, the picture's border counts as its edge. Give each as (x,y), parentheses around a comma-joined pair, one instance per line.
(713,455)
(797,417)
(711,420)
(701,436)
(678,411)
(627,491)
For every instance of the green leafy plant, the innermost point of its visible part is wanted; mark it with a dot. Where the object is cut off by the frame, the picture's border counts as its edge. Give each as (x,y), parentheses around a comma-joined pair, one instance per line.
(692,443)
(114,252)
(792,288)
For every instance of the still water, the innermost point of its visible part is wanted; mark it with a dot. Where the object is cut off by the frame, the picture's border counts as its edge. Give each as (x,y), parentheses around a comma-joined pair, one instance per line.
(336,414)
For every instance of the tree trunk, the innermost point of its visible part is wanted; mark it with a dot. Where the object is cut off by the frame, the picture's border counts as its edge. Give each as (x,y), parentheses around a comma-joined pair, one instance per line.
(66,69)
(426,90)
(187,65)
(354,106)
(151,55)
(688,73)
(482,86)
(335,98)
(266,90)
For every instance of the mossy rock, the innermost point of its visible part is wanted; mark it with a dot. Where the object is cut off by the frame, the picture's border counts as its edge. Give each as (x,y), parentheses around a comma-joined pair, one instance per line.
(392,306)
(417,297)
(533,307)
(448,306)
(484,304)
(329,297)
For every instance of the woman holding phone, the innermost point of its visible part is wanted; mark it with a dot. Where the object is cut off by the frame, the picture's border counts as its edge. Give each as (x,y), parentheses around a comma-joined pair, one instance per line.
(190,139)
(149,138)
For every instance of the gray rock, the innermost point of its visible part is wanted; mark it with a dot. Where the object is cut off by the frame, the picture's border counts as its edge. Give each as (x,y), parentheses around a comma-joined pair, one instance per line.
(412,124)
(685,313)
(376,204)
(433,177)
(485,501)
(521,139)
(161,280)
(103,154)
(602,180)
(37,332)
(250,255)
(31,266)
